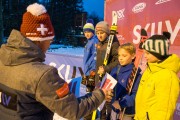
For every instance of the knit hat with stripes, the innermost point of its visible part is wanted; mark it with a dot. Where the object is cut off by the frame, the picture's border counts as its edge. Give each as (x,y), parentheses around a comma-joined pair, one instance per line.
(89,26)
(158,45)
(36,24)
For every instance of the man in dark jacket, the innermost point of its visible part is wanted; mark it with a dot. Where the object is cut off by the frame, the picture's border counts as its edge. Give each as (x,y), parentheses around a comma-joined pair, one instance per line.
(31,90)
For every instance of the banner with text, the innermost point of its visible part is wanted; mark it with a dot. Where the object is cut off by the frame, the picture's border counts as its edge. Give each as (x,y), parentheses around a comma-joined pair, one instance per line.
(155,16)
(68,66)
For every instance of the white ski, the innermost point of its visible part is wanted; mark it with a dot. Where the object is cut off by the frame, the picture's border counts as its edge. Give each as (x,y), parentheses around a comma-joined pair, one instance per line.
(113,32)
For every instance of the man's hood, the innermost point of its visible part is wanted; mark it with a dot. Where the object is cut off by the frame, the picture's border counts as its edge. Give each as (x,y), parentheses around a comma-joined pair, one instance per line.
(19,50)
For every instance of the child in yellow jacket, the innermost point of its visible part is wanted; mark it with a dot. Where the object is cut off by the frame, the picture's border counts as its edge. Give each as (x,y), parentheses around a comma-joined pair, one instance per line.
(159,86)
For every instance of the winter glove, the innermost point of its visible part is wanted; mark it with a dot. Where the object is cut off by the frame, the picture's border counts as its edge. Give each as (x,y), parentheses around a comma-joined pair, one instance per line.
(91,82)
(84,80)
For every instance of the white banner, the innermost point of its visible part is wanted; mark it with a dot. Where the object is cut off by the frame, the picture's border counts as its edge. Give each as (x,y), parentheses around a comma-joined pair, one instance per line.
(68,66)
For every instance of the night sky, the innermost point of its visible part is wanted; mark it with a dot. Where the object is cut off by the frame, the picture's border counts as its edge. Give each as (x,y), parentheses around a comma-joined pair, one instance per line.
(96,6)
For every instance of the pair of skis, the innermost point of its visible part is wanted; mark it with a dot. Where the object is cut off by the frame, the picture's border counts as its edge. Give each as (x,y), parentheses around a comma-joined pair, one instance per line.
(113,32)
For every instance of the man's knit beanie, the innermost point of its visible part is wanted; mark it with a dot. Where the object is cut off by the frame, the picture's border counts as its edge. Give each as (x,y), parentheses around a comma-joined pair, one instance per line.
(36,24)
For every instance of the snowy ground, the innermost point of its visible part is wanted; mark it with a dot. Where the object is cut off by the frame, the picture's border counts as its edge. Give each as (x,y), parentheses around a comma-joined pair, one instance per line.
(67,50)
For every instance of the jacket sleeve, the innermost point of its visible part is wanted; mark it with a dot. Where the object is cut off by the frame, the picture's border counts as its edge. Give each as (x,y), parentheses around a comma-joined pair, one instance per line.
(129,100)
(114,57)
(68,106)
(92,60)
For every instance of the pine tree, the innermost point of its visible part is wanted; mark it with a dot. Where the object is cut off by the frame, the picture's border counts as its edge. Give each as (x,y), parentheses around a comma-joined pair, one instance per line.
(1,23)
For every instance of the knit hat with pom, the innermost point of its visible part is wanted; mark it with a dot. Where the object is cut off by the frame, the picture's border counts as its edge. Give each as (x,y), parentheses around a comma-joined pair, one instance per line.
(89,26)
(36,24)
(103,26)
(158,45)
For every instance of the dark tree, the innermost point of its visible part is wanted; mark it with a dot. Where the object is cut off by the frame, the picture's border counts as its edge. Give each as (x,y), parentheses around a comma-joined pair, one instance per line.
(63,15)
(95,17)
(1,23)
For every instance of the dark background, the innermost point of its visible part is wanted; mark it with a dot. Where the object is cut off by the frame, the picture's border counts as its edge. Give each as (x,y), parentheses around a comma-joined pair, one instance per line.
(68,18)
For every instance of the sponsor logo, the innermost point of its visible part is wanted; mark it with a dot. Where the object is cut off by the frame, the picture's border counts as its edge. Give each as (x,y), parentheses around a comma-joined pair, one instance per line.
(152,27)
(8,100)
(139,7)
(120,37)
(120,14)
(66,72)
(161,1)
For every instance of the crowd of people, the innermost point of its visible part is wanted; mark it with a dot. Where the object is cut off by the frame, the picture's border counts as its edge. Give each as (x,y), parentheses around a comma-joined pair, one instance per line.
(32,90)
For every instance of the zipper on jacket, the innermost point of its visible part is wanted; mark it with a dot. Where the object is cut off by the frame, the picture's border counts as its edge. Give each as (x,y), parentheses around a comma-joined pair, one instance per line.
(147,116)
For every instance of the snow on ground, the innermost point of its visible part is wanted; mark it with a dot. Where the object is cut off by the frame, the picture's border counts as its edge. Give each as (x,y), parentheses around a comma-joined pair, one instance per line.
(66,50)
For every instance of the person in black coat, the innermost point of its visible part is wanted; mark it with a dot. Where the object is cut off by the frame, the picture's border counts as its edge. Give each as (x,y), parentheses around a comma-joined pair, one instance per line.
(102,31)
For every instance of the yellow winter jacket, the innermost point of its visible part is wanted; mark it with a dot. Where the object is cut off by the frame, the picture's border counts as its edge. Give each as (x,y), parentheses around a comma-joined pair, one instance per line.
(158,90)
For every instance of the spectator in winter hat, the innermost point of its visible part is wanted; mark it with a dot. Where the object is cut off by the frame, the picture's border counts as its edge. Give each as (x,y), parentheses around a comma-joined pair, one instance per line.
(103,31)
(90,48)
(31,90)
(159,86)
(89,60)
(89,26)
(103,26)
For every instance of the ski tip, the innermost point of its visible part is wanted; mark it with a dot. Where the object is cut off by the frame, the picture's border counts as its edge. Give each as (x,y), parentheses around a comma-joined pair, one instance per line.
(143,32)
(114,18)
(143,38)
(114,13)
(167,35)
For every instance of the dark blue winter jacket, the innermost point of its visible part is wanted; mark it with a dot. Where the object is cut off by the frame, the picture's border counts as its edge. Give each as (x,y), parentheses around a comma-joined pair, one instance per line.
(121,93)
(89,59)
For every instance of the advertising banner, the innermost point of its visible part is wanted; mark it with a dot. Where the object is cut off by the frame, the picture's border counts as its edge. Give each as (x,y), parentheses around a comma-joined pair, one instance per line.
(155,16)
(68,66)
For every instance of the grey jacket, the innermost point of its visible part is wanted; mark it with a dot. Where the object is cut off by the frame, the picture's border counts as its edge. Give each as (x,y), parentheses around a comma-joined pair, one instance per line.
(28,86)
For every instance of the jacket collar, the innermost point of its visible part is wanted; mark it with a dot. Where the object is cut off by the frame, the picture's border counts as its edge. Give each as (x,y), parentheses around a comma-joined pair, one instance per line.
(19,50)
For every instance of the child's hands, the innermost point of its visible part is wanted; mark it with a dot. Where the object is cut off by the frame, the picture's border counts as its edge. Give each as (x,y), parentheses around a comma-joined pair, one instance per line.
(101,70)
(116,105)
